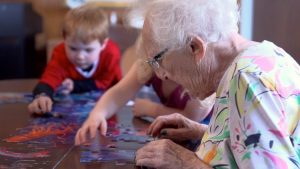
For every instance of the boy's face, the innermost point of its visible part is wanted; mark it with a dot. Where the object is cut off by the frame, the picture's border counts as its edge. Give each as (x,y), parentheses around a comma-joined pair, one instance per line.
(82,54)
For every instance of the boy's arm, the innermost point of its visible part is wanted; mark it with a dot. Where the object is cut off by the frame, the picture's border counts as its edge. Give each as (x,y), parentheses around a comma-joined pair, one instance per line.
(55,71)
(50,80)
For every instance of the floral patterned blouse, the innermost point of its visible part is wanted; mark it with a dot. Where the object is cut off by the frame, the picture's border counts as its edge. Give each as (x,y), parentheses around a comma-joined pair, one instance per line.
(255,121)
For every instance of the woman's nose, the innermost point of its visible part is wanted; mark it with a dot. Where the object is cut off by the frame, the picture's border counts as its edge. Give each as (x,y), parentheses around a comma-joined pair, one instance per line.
(162,74)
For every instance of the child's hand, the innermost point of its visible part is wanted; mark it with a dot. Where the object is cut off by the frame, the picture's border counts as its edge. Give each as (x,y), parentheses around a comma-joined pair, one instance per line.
(90,127)
(67,87)
(41,104)
(144,107)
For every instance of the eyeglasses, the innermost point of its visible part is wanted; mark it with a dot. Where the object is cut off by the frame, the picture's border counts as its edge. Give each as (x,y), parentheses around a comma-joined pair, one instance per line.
(157,58)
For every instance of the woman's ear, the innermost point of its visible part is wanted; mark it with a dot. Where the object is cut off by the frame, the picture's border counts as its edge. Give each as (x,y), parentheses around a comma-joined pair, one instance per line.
(198,48)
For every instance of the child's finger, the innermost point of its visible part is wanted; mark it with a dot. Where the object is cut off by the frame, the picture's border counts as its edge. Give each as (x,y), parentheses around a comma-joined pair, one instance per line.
(35,107)
(31,108)
(42,105)
(103,128)
(65,92)
(80,136)
(49,105)
(92,132)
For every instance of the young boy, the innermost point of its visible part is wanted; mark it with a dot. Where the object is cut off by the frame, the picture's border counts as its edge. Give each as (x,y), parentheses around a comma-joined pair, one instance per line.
(86,60)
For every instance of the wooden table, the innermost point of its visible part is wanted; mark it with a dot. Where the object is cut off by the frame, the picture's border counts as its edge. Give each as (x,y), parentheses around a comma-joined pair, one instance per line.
(15,115)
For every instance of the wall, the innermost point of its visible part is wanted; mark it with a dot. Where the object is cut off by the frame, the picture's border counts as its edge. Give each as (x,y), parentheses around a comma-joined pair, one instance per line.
(53,12)
(273,20)
(278,21)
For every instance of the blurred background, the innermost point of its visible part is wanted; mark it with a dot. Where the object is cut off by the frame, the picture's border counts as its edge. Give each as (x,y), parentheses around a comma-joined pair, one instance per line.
(29,29)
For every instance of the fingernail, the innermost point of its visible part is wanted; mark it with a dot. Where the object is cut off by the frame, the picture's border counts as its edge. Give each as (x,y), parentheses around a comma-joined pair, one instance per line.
(163,133)
(57,115)
(148,132)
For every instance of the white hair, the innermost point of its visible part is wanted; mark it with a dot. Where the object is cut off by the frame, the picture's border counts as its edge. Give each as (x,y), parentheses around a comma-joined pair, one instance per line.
(173,22)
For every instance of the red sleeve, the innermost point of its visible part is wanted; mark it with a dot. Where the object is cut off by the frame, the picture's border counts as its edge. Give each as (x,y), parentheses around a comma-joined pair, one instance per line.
(55,71)
(108,71)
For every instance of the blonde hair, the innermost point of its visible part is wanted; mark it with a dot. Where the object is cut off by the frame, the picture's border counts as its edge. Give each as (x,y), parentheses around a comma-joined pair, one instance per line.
(86,23)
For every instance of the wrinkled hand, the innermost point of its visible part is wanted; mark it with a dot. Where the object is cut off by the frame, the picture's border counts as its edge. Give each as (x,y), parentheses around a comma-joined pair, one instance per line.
(144,107)
(88,130)
(66,87)
(41,104)
(165,154)
(176,127)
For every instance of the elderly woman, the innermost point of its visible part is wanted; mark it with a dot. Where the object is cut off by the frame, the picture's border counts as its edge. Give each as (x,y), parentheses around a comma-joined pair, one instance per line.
(255,121)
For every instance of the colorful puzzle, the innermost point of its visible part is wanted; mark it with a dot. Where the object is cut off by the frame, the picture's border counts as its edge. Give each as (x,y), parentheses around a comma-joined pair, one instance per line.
(7,153)
(107,155)
(40,131)
(114,147)
(57,129)
(44,134)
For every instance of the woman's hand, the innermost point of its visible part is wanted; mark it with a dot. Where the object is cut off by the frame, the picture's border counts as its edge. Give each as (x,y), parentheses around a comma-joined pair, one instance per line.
(177,128)
(165,154)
